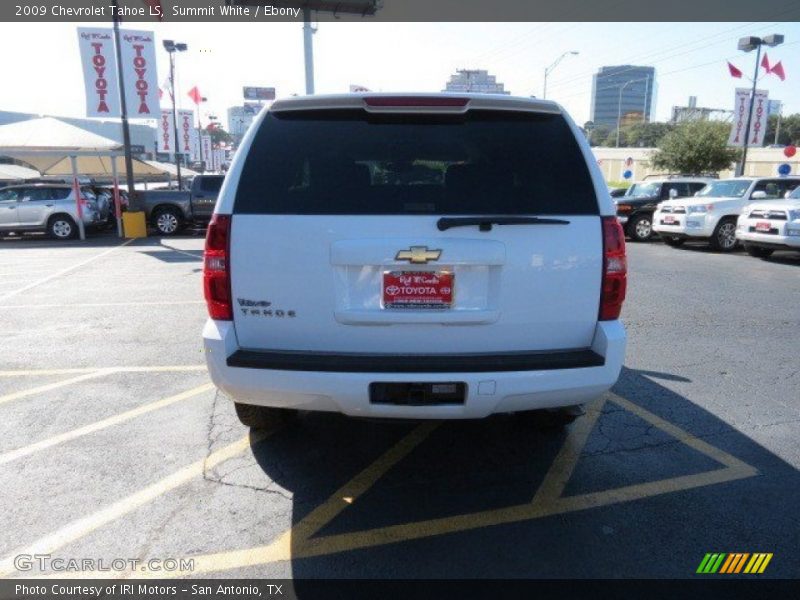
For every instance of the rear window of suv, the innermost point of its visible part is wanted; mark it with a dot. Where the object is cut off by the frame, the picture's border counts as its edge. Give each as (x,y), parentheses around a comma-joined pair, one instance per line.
(355,162)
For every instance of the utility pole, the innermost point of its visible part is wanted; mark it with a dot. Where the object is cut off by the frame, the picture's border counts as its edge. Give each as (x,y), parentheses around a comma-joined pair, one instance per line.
(750,112)
(126,131)
(308,49)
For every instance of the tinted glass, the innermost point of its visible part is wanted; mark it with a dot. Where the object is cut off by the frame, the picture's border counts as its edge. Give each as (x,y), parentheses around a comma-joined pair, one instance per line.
(211,184)
(731,188)
(9,194)
(351,162)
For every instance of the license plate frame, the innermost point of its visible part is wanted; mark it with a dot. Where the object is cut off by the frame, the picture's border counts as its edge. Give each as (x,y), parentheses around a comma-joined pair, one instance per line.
(670,220)
(406,289)
(763,226)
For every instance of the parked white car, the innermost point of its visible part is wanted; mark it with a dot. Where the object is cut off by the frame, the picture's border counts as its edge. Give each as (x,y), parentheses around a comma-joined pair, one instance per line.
(764,227)
(712,213)
(413,256)
(46,207)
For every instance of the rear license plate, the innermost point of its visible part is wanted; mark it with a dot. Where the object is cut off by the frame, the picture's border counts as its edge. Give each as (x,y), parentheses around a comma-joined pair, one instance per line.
(417,289)
(763,226)
(418,394)
(669,220)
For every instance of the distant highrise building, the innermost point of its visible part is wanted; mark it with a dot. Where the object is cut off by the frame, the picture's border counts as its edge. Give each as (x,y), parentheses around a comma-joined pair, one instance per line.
(241,117)
(474,80)
(638,90)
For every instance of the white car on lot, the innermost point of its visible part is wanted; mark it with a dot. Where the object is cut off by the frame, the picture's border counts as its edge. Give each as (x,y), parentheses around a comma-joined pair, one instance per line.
(764,227)
(413,256)
(46,207)
(711,214)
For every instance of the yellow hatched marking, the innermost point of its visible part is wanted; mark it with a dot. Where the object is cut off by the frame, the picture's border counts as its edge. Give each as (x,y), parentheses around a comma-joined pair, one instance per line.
(13,455)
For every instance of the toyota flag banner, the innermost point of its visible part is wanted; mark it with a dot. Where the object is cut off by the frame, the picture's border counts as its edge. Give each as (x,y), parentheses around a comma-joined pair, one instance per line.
(186,131)
(165,133)
(139,69)
(206,141)
(758,126)
(99,72)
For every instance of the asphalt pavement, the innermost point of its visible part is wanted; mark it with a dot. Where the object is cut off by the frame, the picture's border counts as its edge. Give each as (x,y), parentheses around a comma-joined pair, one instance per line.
(116,446)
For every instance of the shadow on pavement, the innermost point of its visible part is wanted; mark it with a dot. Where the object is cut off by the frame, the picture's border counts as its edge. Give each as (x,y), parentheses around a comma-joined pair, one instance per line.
(356,485)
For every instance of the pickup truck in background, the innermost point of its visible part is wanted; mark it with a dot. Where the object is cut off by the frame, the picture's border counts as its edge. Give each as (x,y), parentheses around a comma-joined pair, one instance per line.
(169,211)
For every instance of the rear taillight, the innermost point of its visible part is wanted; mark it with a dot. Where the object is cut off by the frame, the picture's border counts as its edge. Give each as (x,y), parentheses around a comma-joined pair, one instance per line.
(216,269)
(615,270)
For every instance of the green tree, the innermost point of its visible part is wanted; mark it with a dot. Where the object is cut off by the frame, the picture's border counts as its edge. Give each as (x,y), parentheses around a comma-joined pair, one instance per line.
(639,135)
(696,147)
(218,134)
(789,132)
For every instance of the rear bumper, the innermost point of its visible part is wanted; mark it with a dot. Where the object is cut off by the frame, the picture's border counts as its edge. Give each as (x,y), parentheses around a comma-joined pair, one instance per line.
(536,381)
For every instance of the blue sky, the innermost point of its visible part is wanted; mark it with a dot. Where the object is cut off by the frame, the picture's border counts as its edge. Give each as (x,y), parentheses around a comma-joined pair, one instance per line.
(689,59)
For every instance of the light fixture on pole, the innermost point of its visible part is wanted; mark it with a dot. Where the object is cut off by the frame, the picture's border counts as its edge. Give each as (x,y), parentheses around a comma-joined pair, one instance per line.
(550,69)
(748,44)
(172,47)
(619,102)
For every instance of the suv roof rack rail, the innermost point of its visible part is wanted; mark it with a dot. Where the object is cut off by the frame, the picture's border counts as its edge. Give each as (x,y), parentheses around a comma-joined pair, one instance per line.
(681,175)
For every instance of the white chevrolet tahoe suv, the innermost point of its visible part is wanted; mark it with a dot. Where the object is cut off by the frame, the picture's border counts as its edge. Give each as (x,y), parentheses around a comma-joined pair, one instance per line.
(764,227)
(413,256)
(712,213)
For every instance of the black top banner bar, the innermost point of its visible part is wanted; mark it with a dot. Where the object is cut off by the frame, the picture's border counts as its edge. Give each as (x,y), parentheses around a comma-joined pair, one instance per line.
(258,11)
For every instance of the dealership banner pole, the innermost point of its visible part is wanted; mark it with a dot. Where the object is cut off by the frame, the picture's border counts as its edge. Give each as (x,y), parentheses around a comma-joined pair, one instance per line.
(117,203)
(76,189)
(126,130)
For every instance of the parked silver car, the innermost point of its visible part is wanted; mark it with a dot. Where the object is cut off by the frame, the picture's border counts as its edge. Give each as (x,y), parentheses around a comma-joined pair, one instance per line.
(46,207)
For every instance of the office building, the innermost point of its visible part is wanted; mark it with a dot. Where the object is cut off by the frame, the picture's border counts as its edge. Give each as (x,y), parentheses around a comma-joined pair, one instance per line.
(625,93)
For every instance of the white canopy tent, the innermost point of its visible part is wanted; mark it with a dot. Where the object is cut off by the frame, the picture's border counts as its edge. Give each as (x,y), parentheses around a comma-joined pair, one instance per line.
(16,173)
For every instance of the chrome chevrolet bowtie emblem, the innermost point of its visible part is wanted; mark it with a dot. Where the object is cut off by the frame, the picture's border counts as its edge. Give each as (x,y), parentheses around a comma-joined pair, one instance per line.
(418,255)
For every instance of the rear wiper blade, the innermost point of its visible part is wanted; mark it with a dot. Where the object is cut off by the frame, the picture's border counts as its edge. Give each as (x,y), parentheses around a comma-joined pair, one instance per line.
(485,223)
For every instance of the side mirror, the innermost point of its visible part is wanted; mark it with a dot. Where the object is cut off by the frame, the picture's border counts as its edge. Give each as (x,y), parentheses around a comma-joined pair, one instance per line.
(787,195)
(673,193)
(759,195)
(697,193)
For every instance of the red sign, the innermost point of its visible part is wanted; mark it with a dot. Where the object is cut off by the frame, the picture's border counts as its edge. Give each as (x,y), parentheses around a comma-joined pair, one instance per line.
(763,226)
(417,289)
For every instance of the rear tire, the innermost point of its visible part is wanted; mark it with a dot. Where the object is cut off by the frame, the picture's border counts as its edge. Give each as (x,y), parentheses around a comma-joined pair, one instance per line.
(758,252)
(262,417)
(168,221)
(61,227)
(724,237)
(673,242)
(640,228)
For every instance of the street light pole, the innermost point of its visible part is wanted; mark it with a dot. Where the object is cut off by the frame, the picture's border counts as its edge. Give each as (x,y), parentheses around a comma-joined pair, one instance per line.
(748,44)
(308,50)
(172,47)
(550,69)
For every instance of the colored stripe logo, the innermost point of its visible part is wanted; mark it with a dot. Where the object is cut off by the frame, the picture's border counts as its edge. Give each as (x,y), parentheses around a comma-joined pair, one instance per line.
(735,562)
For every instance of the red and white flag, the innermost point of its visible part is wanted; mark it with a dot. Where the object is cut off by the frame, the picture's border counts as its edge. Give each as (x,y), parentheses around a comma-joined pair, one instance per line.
(777,68)
(195,95)
(734,71)
(765,62)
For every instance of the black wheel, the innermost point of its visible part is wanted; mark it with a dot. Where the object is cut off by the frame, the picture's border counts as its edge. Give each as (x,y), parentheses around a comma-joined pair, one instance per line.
(62,227)
(675,242)
(758,251)
(168,221)
(640,228)
(262,417)
(724,237)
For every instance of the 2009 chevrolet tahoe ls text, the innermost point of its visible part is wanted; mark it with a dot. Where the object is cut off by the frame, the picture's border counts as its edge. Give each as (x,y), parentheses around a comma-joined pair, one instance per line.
(413,256)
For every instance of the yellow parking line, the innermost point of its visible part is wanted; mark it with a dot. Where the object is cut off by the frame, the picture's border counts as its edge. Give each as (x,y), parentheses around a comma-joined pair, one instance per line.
(548,501)
(52,386)
(560,471)
(153,369)
(286,544)
(81,527)
(8,457)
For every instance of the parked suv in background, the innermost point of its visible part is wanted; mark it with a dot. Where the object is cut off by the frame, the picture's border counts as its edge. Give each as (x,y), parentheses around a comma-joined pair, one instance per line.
(635,209)
(413,257)
(713,213)
(46,207)
(767,226)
